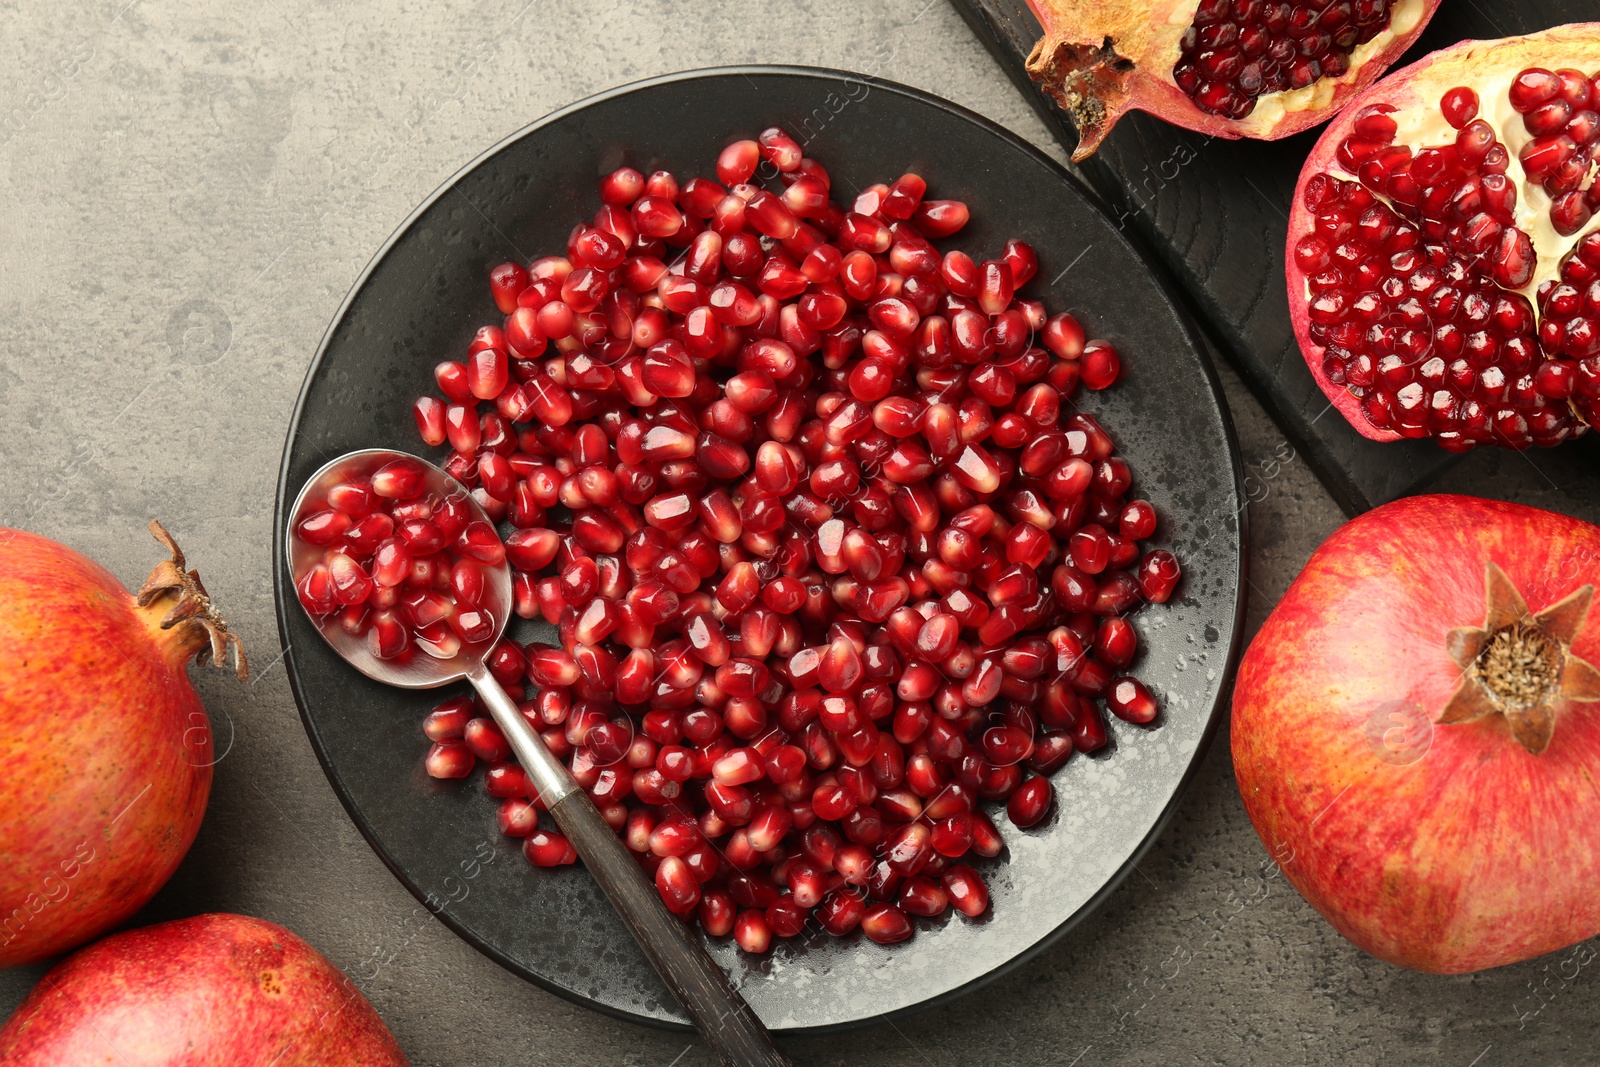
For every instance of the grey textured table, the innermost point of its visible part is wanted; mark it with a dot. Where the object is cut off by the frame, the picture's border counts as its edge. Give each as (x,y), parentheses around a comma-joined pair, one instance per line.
(185,196)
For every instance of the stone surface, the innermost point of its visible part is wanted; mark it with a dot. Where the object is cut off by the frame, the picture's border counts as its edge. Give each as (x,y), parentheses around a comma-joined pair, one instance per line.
(186,194)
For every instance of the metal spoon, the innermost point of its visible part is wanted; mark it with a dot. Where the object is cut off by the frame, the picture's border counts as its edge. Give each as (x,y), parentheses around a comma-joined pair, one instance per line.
(724,1020)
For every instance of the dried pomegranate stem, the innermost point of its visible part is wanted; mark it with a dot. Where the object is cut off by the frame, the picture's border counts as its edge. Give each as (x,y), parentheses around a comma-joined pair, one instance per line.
(198,628)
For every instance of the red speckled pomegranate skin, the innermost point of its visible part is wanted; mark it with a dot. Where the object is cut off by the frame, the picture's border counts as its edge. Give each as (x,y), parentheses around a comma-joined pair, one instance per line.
(1470,852)
(210,991)
(106,750)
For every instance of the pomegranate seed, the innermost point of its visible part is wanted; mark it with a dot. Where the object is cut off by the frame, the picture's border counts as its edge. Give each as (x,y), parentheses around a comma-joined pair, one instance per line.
(529,329)
(1460,106)
(546,848)
(653,216)
(662,183)
(1005,745)
(1031,802)
(486,741)
(506,780)
(448,721)
(1137,521)
(716,913)
(323,528)
(1115,642)
(1091,549)
(738,162)
(487,373)
(1533,87)
(622,186)
(400,480)
(750,930)
(449,759)
(1158,575)
(480,542)
(350,583)
(939,218)
(841,912)
(738,767)
(1100,364)
(785,918)
(968,894)
(452,381)
(677,885)
(1128,699)
(517,817)
(667,370)
(904,196)
(675,837)
(429,413)
(770,215)
(923,896)
(994,286)
(886,924)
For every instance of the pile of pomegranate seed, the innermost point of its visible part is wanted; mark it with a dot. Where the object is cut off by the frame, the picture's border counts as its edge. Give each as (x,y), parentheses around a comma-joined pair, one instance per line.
(1238,50)
(831,555)
(402,567)
(1561,109)
(1414,289)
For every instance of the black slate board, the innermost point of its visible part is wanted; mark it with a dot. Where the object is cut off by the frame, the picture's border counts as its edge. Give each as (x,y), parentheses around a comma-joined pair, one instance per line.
(1216,213)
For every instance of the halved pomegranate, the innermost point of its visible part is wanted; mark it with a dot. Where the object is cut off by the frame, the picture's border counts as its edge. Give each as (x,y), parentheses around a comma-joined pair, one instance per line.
(1231,68)
(1443,272)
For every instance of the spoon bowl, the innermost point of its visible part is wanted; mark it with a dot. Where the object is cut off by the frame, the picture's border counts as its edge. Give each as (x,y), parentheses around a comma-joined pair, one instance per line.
(416,669)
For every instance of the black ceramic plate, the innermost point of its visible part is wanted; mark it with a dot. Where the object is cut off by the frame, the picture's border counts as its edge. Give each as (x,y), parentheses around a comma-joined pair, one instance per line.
(421,299)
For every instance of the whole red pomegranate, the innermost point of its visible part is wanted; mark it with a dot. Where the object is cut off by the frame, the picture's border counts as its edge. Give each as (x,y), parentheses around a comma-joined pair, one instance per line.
(1443,261)
(1415,732)
(1230,68)
(210,991)
(107,750)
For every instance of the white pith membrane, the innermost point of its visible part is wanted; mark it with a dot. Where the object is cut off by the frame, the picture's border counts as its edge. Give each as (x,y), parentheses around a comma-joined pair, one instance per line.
(1421,124)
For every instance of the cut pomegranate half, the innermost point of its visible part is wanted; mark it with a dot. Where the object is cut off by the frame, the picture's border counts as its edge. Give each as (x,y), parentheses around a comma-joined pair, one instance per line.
(1443,272)
(1230,68)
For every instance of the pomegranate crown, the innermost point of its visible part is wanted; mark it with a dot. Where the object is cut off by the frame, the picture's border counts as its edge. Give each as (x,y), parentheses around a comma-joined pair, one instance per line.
(1521,665)
(192,613)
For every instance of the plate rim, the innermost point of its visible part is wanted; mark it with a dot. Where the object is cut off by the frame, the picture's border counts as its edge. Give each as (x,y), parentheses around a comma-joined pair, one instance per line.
(1214,714)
